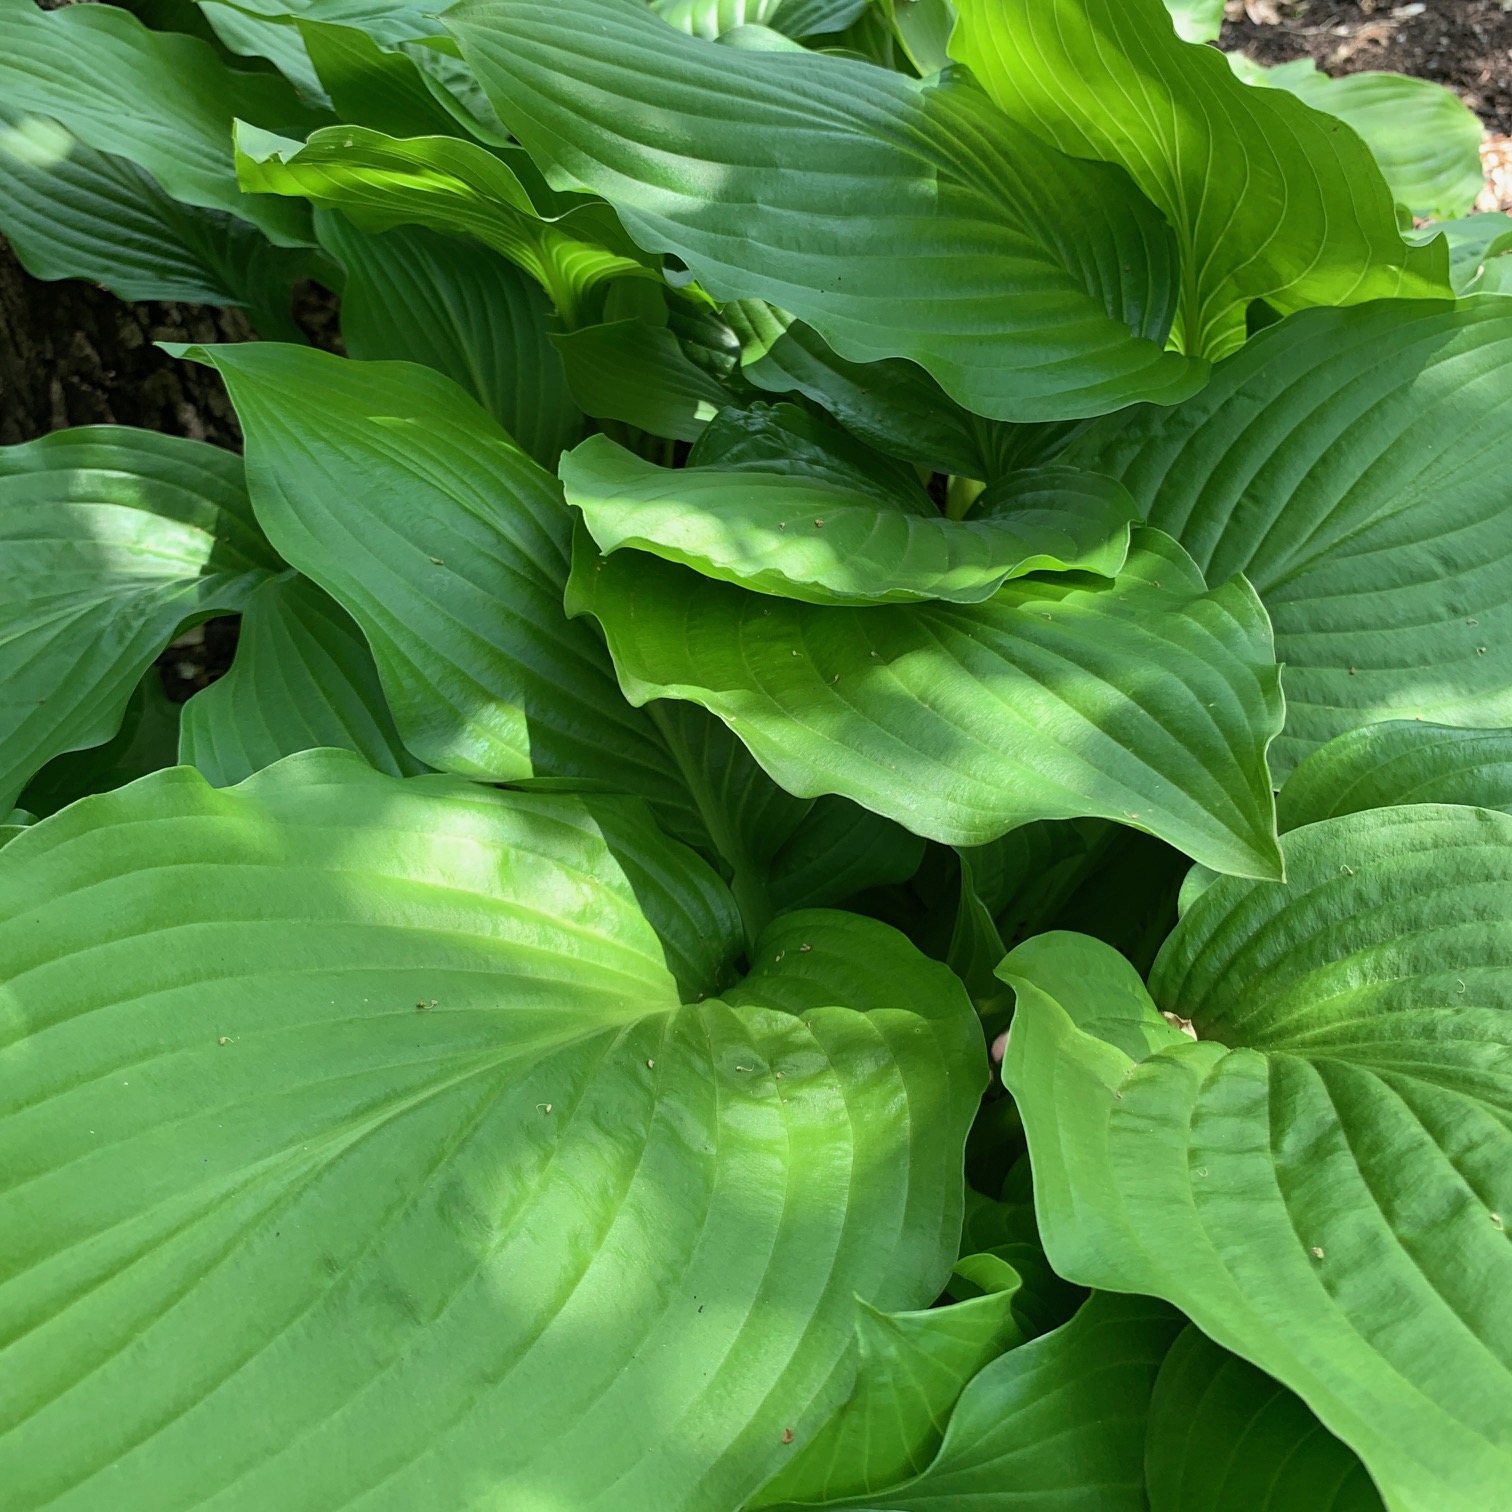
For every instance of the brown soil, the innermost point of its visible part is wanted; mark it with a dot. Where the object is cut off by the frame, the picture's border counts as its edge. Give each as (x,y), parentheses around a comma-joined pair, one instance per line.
(1466,44)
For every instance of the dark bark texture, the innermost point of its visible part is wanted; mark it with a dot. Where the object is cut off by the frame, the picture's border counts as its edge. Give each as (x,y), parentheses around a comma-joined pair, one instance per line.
(73,354)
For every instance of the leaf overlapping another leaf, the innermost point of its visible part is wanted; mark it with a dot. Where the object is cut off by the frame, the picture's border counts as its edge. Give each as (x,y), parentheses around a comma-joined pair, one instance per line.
(1350,463)
(1321,1179)
(1298,216)
(115,539)
(900,219)
(1149,699)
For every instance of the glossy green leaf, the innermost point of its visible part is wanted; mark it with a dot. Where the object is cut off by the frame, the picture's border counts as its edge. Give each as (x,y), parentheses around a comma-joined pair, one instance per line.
(636,372)
(1149,699)
(412,1182)
(386,485)
(823,543)
(161,100)
(1223,1434)
(411,295)
(1400,761)
(910,1370)
(1299,215)
(1350,464)
(1320,1179)
(71,212)
(844,209)
(1057,1422)
(303,678)
(1424,139)
(114,539)
(446,184)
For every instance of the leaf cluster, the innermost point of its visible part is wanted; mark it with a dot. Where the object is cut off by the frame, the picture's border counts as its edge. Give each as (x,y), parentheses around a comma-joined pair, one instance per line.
(858,850)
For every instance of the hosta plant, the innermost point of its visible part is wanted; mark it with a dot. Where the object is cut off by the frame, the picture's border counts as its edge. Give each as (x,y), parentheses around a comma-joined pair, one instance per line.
(842,544)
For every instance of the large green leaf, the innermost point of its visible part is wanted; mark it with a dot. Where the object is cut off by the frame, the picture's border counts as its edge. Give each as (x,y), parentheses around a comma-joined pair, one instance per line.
(1057,1422)
(414,296)
(1297,215)
(411,1182)
(446,184)
(71,212)
(839,191)
(113,540)
(303,678)
(911,1368)
(1400,761)
(1350,464)
(824,543)
(1149,699)
(385,484)
(1224,1435)
(163,101)
(1322,1178)
(1426,142)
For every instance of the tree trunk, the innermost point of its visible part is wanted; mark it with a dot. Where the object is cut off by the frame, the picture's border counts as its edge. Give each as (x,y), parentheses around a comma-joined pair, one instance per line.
(73,354)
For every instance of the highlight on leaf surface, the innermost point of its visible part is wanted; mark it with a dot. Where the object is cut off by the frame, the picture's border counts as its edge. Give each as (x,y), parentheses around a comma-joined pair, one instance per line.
(424,1113)
(1320,1178)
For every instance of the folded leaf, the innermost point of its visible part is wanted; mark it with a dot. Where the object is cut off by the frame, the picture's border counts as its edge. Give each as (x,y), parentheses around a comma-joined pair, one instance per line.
(1059,1421)
(839,191)
(1223,1434)
(911,1368)
(382,89)
(1321,1179)
(71,212)
(303,678)
(1401,761)
(1350,464)
(1424,139)
(413,296)
(161,100)
(1299,214)
(1149,699)
(447,184)
(412,1182)
(114,539)
(386,485)
(824,544)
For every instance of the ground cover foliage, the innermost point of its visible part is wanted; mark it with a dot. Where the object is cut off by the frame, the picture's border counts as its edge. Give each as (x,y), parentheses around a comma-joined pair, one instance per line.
(841,530)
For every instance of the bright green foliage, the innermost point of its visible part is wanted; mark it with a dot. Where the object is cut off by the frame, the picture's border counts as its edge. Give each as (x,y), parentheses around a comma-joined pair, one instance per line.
(1320,1178)
(115,539)
(456,1097)
(815,497)
(1296,216)
(1334,442)
(888,177)
(1426,142)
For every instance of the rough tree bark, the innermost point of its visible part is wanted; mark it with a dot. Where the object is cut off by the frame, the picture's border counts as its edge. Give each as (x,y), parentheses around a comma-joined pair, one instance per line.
(73,354)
